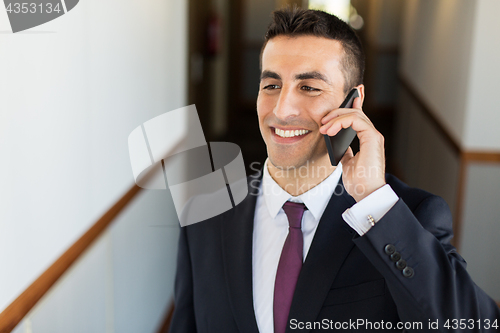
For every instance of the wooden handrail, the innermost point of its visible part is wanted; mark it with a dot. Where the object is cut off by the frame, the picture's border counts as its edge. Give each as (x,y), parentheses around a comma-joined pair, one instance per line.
(19,308)
(165,325)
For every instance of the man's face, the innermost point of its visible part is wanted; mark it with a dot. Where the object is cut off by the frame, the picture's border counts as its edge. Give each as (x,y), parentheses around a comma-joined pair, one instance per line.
(300,83)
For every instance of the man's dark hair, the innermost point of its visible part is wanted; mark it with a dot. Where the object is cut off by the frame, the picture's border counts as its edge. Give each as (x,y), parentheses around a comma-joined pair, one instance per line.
(296,21)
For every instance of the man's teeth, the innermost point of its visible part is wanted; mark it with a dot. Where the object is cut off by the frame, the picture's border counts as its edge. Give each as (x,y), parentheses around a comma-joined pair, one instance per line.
(289,134)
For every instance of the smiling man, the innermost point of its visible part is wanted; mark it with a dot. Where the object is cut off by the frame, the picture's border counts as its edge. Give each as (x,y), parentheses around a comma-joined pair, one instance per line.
(317,246)
(304,80)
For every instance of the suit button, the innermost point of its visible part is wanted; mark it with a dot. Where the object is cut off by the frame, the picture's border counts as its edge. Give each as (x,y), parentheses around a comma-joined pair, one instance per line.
(389,249)
(401,264)
(395,256)
(408,272)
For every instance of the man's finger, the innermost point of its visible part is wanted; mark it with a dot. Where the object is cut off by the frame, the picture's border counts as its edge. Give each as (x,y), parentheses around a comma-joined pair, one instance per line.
(349,120)
(339,112)
(336,113)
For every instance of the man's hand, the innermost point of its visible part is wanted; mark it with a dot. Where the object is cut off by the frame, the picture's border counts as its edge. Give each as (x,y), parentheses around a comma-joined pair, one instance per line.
(365,172)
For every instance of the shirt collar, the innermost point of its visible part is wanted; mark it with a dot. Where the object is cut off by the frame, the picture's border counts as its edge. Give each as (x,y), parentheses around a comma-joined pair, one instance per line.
(315,199)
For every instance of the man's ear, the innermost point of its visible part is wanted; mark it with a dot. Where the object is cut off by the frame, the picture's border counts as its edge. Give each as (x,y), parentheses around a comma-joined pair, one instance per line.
(361,91)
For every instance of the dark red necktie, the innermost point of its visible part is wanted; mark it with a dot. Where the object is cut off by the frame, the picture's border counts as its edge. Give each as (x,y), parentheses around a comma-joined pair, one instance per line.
(289,266)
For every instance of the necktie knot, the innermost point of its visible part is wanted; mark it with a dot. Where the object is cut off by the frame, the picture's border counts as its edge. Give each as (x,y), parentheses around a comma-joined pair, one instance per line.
(294,212)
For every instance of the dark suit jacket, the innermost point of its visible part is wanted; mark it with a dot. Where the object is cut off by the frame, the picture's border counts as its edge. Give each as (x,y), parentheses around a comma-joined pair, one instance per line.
(344,277)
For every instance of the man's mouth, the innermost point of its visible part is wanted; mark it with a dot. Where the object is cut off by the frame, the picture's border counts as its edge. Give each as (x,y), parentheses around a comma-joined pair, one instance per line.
(290,133)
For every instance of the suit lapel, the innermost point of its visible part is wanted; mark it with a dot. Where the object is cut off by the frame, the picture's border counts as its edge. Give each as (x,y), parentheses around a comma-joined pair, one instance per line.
(237,238)
(331,244)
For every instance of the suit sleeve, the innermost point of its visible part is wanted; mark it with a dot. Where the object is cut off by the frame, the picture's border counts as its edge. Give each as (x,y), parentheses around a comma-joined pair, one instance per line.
(434,284)
(183,319)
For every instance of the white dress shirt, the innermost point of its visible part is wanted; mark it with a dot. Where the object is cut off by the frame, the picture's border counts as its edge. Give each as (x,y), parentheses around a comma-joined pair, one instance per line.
(271,229)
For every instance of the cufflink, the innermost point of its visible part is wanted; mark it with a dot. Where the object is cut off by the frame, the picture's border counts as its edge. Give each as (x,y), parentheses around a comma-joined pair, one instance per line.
(371,220)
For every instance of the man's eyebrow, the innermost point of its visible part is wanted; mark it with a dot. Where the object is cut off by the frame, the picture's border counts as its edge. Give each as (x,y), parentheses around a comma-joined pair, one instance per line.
(303,76)
(312,75)
(269,75)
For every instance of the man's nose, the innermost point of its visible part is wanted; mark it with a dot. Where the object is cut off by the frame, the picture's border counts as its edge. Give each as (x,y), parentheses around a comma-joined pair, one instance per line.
(287,105)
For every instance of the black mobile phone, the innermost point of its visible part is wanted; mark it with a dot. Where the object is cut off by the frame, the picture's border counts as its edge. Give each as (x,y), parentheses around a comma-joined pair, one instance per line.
(337,145)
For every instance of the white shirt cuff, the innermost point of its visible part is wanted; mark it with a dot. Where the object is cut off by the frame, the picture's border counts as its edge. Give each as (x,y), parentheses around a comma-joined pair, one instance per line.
(377,204)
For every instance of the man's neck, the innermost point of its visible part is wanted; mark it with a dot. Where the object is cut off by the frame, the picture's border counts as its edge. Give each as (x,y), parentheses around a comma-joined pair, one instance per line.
(298,180)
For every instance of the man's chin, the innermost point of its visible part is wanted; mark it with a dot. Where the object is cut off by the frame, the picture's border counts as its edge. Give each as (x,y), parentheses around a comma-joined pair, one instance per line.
(284,162)
(287,164)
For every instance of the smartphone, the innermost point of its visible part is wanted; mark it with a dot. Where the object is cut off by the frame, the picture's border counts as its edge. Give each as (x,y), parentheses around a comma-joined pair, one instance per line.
(337,145)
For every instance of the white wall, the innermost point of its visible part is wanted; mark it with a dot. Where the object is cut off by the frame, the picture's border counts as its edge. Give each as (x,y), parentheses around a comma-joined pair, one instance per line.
(481,228)
(436,44)
(450,55)
(71,91)
(123,283)
(483,116)
(481,209)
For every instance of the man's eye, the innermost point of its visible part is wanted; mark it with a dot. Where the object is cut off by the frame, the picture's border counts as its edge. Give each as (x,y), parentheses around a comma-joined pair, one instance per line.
(307,88)
(271,87)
